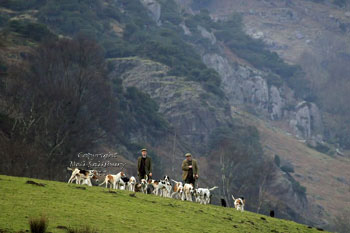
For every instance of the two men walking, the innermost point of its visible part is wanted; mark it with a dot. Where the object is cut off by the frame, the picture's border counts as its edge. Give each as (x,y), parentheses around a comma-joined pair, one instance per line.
(189,167)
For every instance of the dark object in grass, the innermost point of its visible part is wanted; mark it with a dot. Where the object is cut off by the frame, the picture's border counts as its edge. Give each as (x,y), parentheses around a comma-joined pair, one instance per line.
(35,183)
(110,191)
(235,226)
(132,195)
(85,229)
(38,225)
(223,202)
(319,229)
(83,188)
(262,218)
(309,227)
(272,213)
(62,227)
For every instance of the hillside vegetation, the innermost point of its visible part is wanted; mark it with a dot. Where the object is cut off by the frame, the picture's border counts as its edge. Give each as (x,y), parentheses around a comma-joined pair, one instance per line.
(66,206)
(105,75)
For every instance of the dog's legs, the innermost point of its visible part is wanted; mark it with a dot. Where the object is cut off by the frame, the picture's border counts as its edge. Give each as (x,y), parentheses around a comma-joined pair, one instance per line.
(70,179)
(182,197)
(173,194)
(89,182)
(189,197)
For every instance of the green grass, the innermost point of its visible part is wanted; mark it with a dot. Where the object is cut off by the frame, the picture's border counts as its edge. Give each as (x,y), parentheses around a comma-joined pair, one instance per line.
(65,205)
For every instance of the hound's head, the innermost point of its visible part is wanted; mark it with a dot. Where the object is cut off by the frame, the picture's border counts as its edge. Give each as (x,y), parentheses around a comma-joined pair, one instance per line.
(190,188)
(94,177)
(122,174)
(143,182)
(166,178)
(239,202)
(181,189)
(132,180)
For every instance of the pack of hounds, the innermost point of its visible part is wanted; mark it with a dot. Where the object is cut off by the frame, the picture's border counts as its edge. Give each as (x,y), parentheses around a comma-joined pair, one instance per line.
(163,187)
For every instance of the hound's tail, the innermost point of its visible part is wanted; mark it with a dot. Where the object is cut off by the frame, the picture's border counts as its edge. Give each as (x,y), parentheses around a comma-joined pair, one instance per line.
(233,197)
(102,183)
(213,188)
(174,181)
(69,169)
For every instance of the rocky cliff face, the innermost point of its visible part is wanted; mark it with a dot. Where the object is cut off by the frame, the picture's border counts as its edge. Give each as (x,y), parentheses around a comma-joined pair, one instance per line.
(193,112)
(245,85)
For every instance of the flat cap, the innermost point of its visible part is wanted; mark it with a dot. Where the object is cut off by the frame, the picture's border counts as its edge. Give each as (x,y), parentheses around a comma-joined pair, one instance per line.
(188,154)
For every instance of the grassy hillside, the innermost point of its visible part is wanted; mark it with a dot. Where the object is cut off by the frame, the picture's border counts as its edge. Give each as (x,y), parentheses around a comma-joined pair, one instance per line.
(66,205)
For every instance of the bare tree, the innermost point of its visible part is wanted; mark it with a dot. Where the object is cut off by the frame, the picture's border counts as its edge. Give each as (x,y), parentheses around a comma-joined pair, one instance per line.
(267,172)
(60,99)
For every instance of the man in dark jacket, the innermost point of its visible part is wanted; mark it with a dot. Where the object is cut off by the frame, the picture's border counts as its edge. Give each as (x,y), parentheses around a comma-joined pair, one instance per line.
(144,165)
(190,170)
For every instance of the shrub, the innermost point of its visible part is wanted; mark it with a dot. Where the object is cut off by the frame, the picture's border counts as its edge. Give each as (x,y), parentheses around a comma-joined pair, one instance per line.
(38,225)
(34,31)
(19,5)
(287,168)
(277,160)
(341,3)
(298,188)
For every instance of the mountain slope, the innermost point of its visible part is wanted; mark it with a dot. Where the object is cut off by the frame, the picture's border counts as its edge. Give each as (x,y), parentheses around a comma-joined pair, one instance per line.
(325,177)
(66,206)
(312,34)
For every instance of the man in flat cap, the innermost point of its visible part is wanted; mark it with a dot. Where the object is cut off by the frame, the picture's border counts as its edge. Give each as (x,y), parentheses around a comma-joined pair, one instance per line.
(144,165)
(190,170)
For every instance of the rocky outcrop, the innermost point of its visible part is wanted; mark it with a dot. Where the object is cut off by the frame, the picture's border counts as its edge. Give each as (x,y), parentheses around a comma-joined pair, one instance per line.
(306,121)
(276,103)
(186,30)
(154,8)
(208,35)
(192,111)
(244,85)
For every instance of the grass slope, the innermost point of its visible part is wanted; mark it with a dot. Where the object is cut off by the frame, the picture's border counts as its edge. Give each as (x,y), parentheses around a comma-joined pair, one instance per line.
(65,205)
